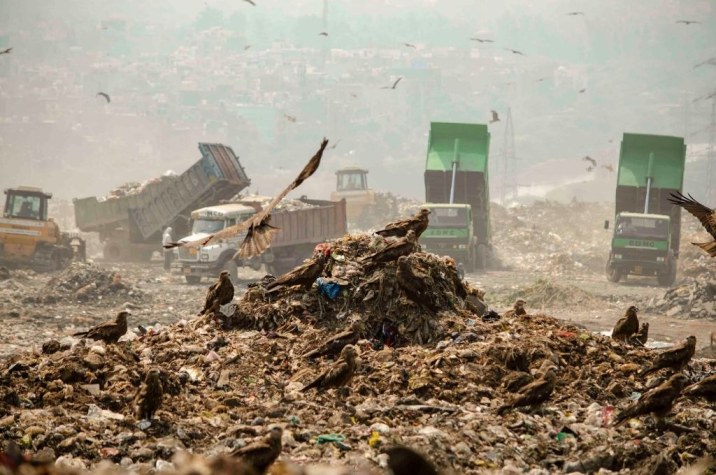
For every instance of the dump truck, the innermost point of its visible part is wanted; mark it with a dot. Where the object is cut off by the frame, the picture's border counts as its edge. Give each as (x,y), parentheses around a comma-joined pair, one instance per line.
(300,229)
(647,226)
(352,186)
(457,193)
(130,226)
(29,238)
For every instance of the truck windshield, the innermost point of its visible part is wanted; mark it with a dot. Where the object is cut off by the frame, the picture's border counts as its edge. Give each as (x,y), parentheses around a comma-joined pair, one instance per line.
(634,227)
(447,217)
(207,226)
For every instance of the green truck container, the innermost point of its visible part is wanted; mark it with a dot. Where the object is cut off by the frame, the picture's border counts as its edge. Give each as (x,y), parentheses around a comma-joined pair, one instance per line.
(647,226)
(457,193)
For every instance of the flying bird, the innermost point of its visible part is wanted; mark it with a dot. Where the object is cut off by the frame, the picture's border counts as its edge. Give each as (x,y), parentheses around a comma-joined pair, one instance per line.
(149,397)
(394,84)
(514,51)
(323,33)
(687,22)
(406,461)
(247,47)
(251,2)
(409,45)
(260,455)
(221,293)
(495,116)
(481,40)
(108,332)
(706,215)
(590,160)
(334,345)
(676,357)
(627,326)
(710,62)
(105,95)
(534,393)
(290,118)
(575,13)
(339,374)
(259,233)
(583,90)
(418,223)
(657,401)
(6,51)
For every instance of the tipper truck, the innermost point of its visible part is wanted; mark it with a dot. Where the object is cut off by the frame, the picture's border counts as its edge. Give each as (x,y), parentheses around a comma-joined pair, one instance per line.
(647,226)
(130,226)
(300,229)
(457,193)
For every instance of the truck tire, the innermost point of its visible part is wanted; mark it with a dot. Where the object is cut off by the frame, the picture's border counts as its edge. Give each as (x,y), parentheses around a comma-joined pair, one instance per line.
(233,270)
(613,274)
(192,279)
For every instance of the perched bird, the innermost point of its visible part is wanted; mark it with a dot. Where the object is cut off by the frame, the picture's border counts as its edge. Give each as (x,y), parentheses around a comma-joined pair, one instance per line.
(416,282)
(400,247)
(418,223)
(305,274)
(105,95)
(339,374)
(518,309)
(259,233)
(657,401)
(514,51)
(627,326)
(109,332)
(221,293)
(260,455)
(394,84)
(409,45)
(575,13)
(534,393)
(495,117)
(6,51)
(149,397)
(643,334)
(706,388)
(323,33)
(251,2)
(481,40)
(517,380)
(590,160)
(675,357)
(406,461)
(334,345)
(688,22)
(706,215)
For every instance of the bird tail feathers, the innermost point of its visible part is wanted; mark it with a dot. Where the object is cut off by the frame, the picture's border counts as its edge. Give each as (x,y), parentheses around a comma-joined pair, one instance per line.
(709,247)
(257,240)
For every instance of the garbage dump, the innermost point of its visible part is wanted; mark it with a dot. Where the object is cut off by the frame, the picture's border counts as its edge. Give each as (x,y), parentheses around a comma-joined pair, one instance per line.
(693,299)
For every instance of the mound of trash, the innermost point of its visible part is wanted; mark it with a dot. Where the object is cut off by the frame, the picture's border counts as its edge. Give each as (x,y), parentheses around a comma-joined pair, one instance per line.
(389,306)
(83,282)
(693,299)
(224,388)
(544,293)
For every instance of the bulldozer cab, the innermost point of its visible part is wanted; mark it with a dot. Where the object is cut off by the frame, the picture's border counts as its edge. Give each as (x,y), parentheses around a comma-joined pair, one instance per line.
(26,202)
(352,179)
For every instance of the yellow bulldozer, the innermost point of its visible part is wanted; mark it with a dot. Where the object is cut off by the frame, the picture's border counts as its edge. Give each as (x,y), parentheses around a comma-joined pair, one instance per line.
(28,238)
(352,185)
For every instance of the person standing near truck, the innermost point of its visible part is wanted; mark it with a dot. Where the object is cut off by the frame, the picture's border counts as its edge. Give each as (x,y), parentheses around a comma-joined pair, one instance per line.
(167,239)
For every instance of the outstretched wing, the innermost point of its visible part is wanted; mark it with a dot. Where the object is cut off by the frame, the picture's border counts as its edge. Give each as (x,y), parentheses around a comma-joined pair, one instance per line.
(706,215)
(397,81)
(258,223)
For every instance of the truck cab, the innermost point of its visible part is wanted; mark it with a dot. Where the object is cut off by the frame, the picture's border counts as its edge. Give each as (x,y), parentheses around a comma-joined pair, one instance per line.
(352,185)
(208,261)
(641,245)
(450,232)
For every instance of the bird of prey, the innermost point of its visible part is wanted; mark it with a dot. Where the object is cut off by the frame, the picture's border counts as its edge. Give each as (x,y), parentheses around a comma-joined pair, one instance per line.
(706,215)
(406,461)
(590,160)
(409,45)
(626,326)
(323,33)
(675,357)
(608,167)
(251,2)
(706,388)
(290,118)
(221,293)
(339,374)
(516,381)
(418,223)
(305,274)
(105,95)
(6,51)
(687,22)
(541,79)
(247,47)
(534,393)
(514,51)
(495,116)
(394,84)
(415,281)
(481,40)
(657,401)
(149,397)
(518,309)
(259,233)
(109,332)
(334,345)
(575,13)
(710,62)
(400,247)
(643,334)
(583,90)
(260,455)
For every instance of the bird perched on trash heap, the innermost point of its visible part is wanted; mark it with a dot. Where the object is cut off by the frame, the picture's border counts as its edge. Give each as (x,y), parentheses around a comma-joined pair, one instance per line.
(675,357)
(221,293)
(108,332)
(400,247)
(149,397)
(334,345)
(406,461)
(627,326)
(706,215)
(517,310)
(339,374)
(706,388)
(418,223)
(259,233)
(534,393)
(643,334)
(260,455)
(416,282)
(657,401)
(305,274)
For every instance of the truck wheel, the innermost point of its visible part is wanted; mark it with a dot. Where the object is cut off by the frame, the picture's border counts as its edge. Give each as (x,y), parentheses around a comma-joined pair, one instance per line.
(613,274)
(192,279)
(233,270)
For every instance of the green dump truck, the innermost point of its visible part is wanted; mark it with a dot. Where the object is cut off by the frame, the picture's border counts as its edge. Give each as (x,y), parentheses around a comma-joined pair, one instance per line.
(647,226)
(457,193)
